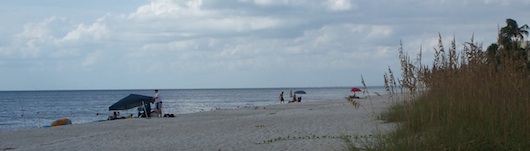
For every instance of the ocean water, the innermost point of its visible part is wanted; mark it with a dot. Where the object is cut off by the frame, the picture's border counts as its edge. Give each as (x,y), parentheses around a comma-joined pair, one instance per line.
(31,109)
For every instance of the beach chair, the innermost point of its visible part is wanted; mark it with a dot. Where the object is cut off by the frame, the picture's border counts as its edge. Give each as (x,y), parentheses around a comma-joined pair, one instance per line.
(143,111)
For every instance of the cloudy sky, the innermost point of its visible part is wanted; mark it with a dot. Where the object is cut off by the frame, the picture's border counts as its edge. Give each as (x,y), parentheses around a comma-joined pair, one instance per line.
(142,44)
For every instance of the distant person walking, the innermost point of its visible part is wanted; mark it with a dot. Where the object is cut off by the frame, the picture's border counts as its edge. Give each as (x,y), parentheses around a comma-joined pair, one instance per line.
(281,98)
(158,103)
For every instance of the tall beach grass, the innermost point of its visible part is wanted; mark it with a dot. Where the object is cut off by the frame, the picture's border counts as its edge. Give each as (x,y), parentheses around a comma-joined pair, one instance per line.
(464,101)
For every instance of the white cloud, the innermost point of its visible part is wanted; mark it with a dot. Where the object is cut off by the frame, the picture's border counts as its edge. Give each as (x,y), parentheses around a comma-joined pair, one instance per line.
(28,42)
(379,31)
(95,32)
(92,58)
(339,5)
(502,2)
(248,38)
(240,24)
(269,2)
(186,19)
(30,49)
(36,30)
(65,53)
(333,5)
(156,8)
(169,9)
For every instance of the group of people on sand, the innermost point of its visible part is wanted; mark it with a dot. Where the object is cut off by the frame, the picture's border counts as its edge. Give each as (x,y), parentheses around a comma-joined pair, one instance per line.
(146,108)
(116,115)
(295,99)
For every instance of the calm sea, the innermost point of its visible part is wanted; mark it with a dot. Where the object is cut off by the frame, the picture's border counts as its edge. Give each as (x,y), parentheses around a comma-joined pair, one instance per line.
(31,109)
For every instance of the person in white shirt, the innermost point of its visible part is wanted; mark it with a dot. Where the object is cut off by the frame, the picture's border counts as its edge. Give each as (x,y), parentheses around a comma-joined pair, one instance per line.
(158,103)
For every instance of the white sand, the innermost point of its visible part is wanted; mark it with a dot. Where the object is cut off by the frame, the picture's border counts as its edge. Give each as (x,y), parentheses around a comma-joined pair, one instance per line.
(241,129)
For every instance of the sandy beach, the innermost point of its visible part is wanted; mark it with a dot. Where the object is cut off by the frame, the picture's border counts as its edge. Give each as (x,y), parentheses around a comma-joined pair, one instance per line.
(313,125)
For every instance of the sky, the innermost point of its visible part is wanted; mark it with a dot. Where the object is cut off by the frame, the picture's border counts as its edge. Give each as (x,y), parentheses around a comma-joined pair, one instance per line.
(188,44)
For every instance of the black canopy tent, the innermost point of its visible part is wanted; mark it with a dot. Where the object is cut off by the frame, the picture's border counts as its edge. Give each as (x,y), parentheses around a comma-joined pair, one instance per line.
(131,101)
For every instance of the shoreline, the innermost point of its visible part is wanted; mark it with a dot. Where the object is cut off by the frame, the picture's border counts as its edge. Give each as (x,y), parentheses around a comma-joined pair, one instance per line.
(272,127)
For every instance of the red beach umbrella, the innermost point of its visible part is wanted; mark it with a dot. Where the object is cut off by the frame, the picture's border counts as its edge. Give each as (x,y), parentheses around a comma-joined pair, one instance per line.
(355,89)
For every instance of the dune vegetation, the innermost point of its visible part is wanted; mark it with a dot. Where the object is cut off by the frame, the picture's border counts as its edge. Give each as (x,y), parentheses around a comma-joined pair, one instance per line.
(470,99)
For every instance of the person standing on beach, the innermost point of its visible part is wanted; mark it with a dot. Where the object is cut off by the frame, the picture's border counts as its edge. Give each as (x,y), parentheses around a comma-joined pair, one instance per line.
(281,98)
(158,103)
